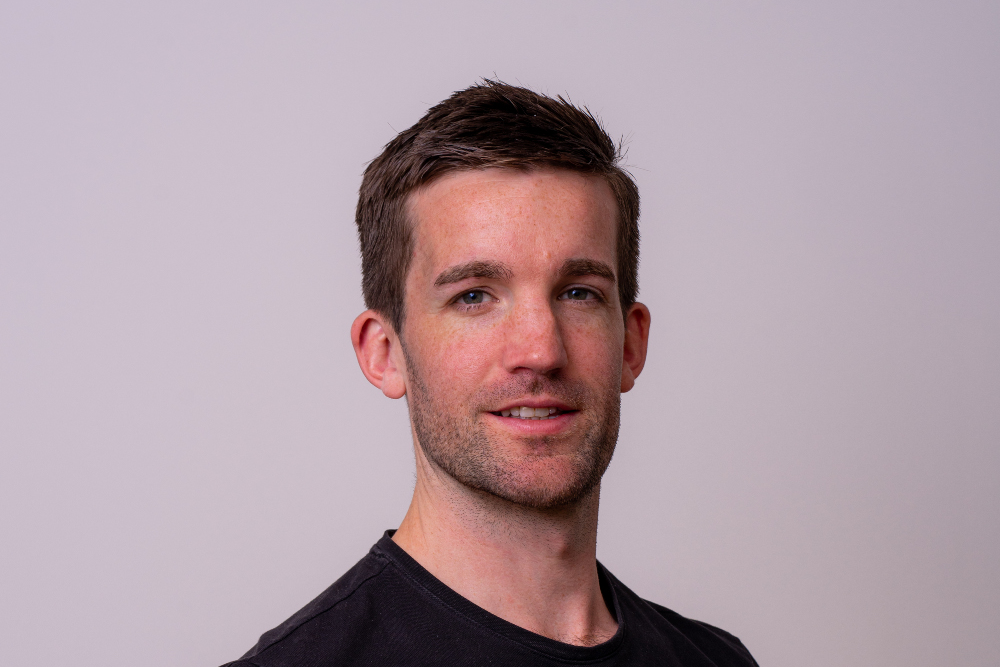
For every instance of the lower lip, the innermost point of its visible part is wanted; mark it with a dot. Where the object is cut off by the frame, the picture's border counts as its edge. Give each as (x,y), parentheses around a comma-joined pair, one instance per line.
(553,424)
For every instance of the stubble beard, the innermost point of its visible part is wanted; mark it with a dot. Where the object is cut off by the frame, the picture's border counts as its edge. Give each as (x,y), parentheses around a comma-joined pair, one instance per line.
(461,446)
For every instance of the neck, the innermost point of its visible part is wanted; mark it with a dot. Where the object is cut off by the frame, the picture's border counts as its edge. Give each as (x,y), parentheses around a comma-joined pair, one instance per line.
(534,568)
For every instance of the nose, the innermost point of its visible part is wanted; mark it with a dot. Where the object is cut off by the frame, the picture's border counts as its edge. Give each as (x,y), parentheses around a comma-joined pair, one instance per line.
(533,338)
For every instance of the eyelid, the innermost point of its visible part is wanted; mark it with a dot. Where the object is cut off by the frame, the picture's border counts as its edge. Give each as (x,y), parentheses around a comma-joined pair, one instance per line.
(486,293)
(597,294)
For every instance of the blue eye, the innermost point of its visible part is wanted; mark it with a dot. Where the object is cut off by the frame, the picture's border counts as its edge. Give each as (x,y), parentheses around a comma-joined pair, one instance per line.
(472,298)
(578,294)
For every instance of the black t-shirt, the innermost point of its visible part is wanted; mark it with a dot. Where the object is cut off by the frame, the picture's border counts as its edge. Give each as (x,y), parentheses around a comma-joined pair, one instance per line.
(388,610)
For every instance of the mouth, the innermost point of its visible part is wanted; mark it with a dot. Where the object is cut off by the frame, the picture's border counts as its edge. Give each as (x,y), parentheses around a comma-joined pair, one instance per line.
(525,412)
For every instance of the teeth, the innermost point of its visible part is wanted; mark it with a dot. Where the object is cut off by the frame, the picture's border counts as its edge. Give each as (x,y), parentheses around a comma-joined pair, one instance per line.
(525,412)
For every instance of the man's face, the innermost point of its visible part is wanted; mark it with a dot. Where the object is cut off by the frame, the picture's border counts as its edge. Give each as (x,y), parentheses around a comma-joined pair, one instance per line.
(513,337)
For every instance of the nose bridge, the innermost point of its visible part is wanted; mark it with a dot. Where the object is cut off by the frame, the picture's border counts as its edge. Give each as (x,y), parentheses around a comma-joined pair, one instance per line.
(534,339)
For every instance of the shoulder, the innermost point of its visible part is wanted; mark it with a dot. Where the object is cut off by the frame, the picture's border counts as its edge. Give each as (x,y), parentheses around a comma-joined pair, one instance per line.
(709,638)
(690,641)
(348,602)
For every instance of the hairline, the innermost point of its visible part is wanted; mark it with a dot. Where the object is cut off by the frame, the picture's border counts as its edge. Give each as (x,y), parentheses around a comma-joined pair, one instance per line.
(526,166)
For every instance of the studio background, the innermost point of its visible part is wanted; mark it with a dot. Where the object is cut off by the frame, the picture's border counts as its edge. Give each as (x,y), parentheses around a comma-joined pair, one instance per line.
(190,454)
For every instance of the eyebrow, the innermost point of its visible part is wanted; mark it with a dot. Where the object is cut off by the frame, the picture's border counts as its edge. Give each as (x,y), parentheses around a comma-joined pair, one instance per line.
(500,271)
(474,269)
(587,267)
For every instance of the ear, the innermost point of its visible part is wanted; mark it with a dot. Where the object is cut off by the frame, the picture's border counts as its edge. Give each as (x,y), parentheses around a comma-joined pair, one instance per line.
(378,352)
(636,340)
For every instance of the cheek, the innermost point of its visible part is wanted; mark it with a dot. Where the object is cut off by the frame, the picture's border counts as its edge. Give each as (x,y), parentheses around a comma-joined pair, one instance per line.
(454,358)
(601,357)
(595,350)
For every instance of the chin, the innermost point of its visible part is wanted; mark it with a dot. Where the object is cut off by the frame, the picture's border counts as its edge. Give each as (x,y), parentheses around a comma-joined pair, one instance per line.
(551,487)
(543,498)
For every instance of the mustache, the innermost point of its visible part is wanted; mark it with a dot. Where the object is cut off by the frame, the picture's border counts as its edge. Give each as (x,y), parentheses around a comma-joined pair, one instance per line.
(574,394)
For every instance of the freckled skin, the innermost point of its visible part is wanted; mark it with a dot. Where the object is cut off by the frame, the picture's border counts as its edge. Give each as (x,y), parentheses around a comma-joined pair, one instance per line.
(526,338)
(504,510)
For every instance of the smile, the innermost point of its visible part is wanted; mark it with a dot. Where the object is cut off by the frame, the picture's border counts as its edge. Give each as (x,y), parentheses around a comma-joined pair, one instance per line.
(531,413)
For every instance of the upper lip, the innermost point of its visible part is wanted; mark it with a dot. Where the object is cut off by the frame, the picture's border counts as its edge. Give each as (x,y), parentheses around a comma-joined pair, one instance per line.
(535,402)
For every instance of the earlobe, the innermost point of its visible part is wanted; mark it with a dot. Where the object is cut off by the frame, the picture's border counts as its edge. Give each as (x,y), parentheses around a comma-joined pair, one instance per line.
(374,344)
(636,341)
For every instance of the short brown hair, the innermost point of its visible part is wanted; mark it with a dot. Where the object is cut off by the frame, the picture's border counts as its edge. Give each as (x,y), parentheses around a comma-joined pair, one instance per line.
(490,124)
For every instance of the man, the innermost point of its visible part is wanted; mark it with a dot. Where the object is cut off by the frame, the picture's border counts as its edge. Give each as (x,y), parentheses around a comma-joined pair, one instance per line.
(499,241)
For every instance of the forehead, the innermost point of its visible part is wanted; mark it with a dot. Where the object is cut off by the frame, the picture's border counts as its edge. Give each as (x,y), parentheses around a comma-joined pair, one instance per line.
(513,215)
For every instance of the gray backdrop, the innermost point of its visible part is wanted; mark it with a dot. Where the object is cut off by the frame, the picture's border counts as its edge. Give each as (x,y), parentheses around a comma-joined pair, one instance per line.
(810,459)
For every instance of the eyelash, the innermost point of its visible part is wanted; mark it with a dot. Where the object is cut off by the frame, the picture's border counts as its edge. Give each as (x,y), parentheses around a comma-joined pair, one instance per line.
(486,295)
(472,306)
(592,292)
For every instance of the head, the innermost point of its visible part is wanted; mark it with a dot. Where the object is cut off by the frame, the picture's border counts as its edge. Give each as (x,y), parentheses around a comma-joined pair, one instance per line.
(489,125)
(499,243)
